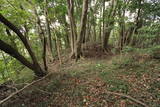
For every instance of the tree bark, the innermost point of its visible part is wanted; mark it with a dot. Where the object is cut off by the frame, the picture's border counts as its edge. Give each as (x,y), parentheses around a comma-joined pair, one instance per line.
(79,42)
(109,24)
(41,35)
(44,54)
(48,28)
(14,53)
(38,71)
(70,4)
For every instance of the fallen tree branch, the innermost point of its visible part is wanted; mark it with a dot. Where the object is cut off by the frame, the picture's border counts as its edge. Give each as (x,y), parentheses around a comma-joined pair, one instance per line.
(129,97)
(10,96)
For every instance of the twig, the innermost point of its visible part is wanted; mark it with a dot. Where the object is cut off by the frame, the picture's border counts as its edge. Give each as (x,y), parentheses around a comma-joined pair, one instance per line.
(129,97)
(43,91)
(20,84)
(12,87)
(7,98)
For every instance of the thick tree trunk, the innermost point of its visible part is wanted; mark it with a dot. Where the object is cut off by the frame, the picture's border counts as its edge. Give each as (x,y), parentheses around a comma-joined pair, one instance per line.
(106,39)
(79,42)
(109,25)
(14,53)
(25,42)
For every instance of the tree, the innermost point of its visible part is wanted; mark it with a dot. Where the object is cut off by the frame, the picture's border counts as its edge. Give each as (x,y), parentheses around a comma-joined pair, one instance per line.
(109,23)
(73,30)
(76,42)
(48,30)
(78,50)
(14,53)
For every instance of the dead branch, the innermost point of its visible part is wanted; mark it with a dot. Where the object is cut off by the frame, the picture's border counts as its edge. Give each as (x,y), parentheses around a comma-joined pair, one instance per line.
(129,97)
(10,96)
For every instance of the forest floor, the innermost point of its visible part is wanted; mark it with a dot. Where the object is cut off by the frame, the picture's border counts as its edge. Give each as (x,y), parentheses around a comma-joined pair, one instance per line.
(91,81)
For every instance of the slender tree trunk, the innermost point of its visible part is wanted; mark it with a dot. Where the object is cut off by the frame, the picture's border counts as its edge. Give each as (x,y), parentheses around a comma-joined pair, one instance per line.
(70,4)
(43,41)
(67,40)
(103,27)
(44,54)
(94,33)
(41,36)
(138,22)
(48,30)
(58,50)
(88,29)
(100,29)
(122,31)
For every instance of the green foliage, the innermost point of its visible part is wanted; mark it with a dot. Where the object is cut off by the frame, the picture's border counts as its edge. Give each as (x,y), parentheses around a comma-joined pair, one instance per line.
(146,40)
(11,69)
(148,36)
(24,76)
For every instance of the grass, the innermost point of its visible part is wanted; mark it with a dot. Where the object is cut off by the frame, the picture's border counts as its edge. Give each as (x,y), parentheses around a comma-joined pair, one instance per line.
(84,83)
(124,74)
(25,76)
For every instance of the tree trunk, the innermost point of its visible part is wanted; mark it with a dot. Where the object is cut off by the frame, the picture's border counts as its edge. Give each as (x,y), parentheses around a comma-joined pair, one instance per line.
(38,71)
(79,42)
(106,38)
(44,54)
(76,43)
(103,27)
(14,53)
(70,4)
(41,35)
(50,51)
(109,24)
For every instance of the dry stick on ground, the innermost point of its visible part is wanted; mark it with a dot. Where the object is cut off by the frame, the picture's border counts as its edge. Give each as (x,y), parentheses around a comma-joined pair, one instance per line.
(44,91)
(129,97)
(4,100)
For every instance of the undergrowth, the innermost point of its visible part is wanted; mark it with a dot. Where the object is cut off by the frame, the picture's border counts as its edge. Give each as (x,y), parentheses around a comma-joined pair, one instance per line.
(85,82)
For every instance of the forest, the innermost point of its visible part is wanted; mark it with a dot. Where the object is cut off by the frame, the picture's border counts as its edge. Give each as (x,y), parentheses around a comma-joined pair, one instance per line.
(79,53)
